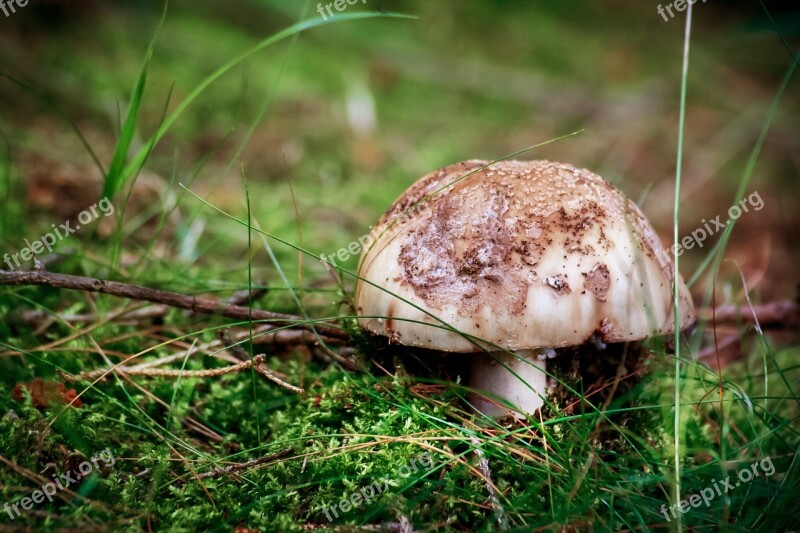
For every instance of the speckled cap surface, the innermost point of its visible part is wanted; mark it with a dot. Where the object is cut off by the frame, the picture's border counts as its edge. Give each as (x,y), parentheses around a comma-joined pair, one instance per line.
(523,254)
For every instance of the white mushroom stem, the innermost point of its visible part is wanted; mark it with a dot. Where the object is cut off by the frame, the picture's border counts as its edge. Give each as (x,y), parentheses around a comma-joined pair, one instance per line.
(519,379)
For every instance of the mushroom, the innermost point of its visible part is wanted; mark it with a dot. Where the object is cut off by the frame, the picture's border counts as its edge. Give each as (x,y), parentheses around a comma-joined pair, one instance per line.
(509,261)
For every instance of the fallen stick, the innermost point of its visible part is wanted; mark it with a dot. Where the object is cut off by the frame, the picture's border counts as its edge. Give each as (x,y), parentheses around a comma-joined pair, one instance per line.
(196,304)
(237,467)
(93,375)
(261,368)
(483,463)
(772,314)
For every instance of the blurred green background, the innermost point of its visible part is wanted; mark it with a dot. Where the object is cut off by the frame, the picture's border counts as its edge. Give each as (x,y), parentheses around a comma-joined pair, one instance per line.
(355,111)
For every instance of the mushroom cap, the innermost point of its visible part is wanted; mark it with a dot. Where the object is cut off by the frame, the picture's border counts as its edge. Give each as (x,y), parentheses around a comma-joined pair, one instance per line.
(521,254)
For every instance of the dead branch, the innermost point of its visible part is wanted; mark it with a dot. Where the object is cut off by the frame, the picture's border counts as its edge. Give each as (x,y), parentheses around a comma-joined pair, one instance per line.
(237,467)
(242,354)
(42,320)
(494,500)
(244,296)
(772,314)
(195,304)
(164,372)
(270,335)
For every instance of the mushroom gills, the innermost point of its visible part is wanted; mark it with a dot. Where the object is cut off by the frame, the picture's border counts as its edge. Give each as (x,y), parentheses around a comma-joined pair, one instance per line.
(519,378)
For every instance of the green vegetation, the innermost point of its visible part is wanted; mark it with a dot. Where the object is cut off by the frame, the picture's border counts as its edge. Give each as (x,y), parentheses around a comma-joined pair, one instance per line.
(203,117)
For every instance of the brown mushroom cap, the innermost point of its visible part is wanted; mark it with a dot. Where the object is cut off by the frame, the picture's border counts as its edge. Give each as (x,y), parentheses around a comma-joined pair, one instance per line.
(523,254)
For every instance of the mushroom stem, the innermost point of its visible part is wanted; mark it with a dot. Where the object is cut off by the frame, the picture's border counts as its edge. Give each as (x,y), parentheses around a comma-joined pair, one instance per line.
(495,373)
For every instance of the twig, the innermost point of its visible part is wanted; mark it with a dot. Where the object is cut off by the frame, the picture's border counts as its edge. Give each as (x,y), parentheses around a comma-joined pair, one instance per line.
(192,424)
(163,372)
(270,335)
(394,527)
(196,304)
(35,317)
(778,313)
(291,336)
(324,351)
(261,368)
(405,525)
(230,469)
(244,296)
(706,353)
(267,373)
(261,331)
(483,464)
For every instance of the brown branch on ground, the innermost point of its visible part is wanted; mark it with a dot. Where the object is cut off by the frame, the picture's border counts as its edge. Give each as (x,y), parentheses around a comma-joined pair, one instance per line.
(243,355)
(165,372)
(196,304)
(271,335)
(494,500)
(237,467)
(42,320)
(773,314)
(244,296)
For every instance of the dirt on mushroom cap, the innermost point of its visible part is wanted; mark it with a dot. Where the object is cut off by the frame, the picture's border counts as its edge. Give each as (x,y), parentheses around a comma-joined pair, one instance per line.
(484,243)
